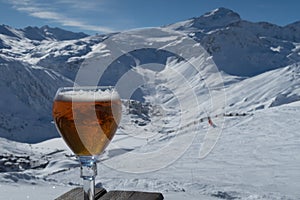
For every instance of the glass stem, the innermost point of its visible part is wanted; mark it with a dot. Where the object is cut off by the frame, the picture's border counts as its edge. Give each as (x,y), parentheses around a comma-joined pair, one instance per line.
(89,188)
(88,172)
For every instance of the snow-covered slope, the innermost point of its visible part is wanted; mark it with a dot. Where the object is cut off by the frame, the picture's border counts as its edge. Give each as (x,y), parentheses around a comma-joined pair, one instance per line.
(39,34)
(36,61)
(26,95)
(256,91)
(31,72)
(241,47)
(273,88)
(256,158)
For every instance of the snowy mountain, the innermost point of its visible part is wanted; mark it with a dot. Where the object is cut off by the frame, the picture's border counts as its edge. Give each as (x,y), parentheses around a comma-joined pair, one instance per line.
(241,47)
(31,72)
(36,61)
(247,82)
(43,33)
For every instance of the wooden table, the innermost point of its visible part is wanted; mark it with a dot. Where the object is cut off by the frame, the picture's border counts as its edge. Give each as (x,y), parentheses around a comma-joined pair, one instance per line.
(102,194)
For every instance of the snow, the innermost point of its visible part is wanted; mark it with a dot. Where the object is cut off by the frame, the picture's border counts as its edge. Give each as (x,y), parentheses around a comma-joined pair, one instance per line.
(276,49)
(257,157)
(273,88)
(30,191)
(164,142)
(215,19)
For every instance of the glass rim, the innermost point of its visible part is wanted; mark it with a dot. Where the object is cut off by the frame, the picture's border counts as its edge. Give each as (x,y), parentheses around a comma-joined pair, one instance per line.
(62,96)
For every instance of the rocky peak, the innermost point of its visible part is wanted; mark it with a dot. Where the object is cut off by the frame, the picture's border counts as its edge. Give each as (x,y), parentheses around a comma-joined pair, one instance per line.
(219,17)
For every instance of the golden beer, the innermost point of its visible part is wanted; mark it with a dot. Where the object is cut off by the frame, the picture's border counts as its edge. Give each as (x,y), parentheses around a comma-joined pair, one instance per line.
(87,126)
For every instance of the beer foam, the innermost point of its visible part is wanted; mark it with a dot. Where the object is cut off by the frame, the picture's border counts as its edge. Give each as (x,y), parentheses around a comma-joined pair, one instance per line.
(81,95)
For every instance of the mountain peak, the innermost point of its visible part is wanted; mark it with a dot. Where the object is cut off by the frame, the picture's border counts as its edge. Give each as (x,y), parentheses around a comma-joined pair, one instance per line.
(7,30)
(45,32)
(219,17)
(222,12)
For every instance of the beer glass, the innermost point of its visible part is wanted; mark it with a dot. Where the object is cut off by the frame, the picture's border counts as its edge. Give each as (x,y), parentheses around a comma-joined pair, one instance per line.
(87,119)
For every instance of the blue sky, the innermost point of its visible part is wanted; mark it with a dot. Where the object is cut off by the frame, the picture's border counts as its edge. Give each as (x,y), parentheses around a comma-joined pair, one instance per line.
(103,16)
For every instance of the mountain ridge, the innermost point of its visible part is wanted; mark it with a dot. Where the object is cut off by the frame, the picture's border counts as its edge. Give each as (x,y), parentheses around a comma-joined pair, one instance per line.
(32,69)
(253,42)
(41,33)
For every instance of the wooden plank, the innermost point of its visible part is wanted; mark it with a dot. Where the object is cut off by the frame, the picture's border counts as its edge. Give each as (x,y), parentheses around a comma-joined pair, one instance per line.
(101,194)
(77,194)
(131,195)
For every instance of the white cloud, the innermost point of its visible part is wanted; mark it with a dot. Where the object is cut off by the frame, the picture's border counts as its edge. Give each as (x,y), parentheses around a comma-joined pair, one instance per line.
(49,11)
(47,15)
(87,5)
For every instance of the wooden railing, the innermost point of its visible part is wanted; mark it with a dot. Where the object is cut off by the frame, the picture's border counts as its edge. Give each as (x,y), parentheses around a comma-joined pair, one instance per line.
(102,194)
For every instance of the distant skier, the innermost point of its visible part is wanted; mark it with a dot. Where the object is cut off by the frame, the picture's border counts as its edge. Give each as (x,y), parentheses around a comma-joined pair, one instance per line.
(210,122)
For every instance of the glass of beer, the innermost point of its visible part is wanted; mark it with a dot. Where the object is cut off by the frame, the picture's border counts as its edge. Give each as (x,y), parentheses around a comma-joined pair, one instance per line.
(87,119)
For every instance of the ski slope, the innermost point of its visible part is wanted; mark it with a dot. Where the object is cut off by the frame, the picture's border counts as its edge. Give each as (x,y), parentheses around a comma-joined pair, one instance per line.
(257,157)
